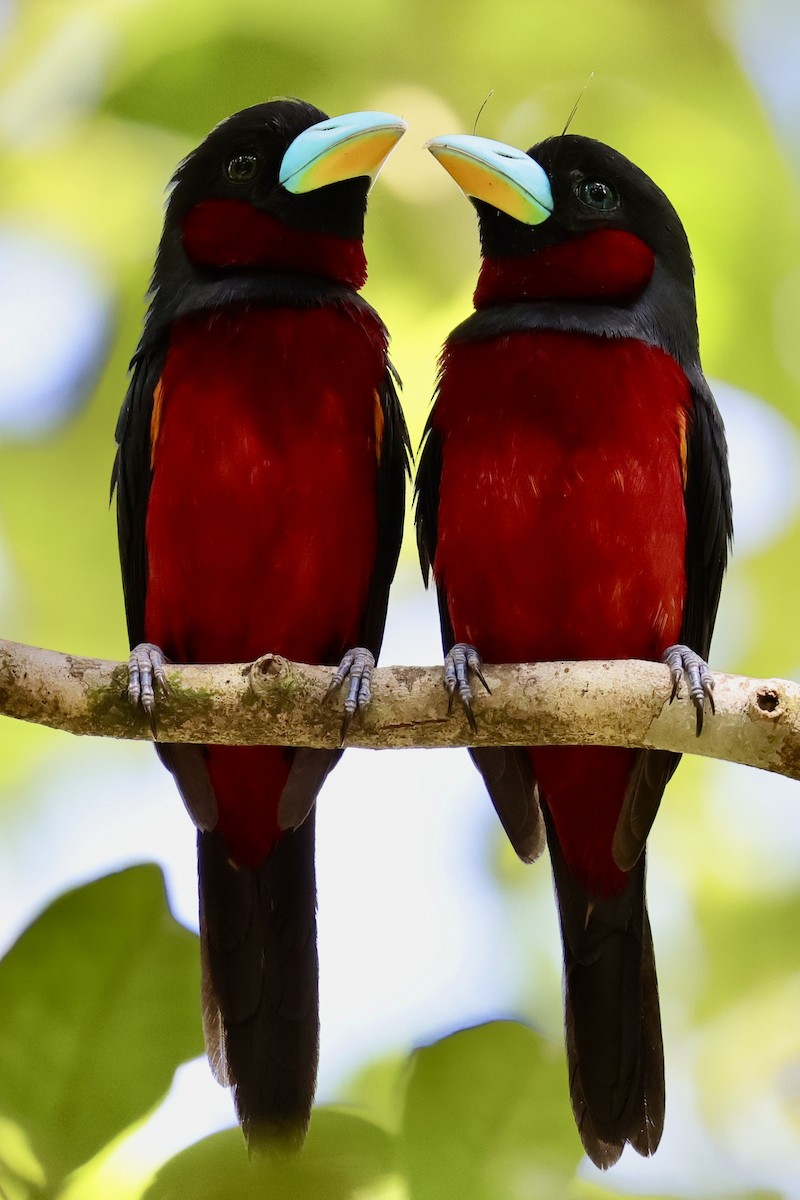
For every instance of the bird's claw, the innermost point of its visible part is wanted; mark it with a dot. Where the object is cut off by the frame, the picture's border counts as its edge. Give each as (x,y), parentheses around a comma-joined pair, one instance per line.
(358,664)
(146,674)
(458,663)
(681,660)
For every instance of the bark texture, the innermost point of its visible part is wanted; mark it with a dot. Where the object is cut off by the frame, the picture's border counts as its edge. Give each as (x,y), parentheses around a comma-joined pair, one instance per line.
(276,702)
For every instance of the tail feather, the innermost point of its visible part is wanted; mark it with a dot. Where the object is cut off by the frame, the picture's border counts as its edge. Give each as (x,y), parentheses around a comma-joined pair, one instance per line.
(260,982)
(509,780)
(613,1023)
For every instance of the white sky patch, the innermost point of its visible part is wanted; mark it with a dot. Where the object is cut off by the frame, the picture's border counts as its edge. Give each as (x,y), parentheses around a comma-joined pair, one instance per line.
(767,34)
(764,451)
(54,316)
(758,815)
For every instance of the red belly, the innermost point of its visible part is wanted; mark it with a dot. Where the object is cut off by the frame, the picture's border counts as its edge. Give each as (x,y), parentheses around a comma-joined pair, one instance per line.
(261,524)
(562,531)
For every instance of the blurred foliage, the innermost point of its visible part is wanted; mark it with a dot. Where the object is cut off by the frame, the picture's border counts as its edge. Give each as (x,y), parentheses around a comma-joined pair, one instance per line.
(508,1134)
(99,996)
(343,1154)
(99,99)
(99,1004)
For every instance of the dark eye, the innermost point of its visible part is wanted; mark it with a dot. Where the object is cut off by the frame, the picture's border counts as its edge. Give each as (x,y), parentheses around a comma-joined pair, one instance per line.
(597,194)
(242,168)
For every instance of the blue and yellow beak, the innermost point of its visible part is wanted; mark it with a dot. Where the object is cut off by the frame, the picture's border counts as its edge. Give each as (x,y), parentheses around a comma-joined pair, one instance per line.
(498,174)
(340,148)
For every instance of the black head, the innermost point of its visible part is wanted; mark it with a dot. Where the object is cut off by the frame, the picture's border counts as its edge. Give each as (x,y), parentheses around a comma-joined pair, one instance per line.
(241,159)
(277,188)
(578,234)
(593,187)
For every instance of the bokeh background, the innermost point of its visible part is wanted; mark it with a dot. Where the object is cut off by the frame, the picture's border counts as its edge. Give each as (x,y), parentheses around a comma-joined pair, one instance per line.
(427,923)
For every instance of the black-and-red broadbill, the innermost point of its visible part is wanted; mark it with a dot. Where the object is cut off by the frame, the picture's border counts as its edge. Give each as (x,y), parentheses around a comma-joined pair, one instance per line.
(574,503)
(260,484)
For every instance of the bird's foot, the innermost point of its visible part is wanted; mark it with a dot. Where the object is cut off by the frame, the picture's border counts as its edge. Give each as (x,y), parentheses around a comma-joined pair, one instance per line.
(681,660)
(146,676)
(358,664)
(458,663)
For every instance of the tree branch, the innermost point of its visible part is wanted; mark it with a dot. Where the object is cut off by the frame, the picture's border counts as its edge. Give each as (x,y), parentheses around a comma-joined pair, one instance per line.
(276,702)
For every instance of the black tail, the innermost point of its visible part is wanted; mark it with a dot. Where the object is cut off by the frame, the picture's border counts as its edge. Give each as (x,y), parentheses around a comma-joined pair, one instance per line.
(613,1022)
(260,982)
(509,780)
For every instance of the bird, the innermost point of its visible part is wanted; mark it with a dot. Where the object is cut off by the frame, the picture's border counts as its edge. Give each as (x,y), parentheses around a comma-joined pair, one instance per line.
(260,475)
(573,502)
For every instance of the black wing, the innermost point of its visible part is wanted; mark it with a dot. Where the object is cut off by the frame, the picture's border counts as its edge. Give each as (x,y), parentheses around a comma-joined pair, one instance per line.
(709,532)
(709,518)
(131,478)
(506,770)
(426,496)
(394,452)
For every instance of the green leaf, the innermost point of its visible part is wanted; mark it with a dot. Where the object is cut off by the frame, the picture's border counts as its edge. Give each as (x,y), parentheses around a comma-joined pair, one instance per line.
(99,998)
(589,1190)
(21,1175)
(378,1089)
(487,1117)
(343,1153)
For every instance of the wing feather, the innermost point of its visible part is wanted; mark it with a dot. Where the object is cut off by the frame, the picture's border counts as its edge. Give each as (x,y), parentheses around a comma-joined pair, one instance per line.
(709,532)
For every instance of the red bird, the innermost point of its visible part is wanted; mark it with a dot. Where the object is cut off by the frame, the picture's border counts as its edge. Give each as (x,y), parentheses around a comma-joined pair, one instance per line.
(260,484)
(574,503)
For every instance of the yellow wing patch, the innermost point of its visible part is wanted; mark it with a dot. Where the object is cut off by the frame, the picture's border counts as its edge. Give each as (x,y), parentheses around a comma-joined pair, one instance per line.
(682,451)
(379,424)
(155,420)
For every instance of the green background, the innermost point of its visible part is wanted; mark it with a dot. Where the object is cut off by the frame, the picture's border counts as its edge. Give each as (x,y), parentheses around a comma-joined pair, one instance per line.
(98,1000)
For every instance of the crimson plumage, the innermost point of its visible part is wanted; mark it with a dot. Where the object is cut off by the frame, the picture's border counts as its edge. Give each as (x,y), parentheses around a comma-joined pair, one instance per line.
(573,503)
(237,461)
(595,493)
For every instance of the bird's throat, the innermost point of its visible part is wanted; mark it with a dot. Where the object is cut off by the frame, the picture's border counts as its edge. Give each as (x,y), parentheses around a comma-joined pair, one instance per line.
(608,265)
(233,233)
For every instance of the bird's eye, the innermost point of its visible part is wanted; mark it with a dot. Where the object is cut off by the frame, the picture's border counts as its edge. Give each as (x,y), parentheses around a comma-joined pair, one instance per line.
(242,168)
(597,194)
